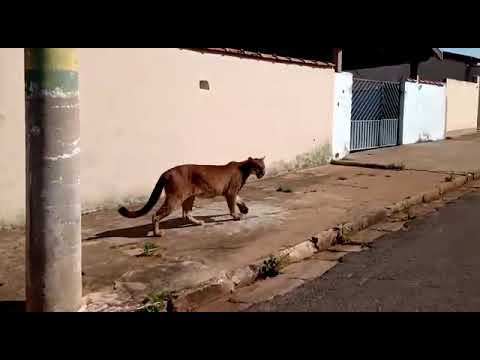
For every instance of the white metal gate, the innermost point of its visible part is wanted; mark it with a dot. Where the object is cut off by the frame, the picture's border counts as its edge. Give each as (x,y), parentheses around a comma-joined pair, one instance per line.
(375,114)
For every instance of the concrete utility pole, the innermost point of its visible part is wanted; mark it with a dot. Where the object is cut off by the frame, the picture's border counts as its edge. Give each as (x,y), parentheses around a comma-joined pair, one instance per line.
(338,59)
(478,107)
(53,206)
(414,69)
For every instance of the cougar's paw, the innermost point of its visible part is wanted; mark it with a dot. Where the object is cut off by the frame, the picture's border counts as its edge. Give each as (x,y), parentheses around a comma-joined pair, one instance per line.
(156,233)
(198,222)
(243,208)
(237,217)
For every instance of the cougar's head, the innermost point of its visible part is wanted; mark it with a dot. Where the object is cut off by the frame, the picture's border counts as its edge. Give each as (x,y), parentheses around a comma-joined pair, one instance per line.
(257,167)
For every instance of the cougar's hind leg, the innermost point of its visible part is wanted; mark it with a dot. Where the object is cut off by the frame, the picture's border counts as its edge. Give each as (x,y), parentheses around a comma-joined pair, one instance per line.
(187,206)
(170,204)
(187,211)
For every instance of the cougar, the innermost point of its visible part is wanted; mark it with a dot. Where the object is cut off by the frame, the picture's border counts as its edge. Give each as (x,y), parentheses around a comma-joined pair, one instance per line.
(184,183)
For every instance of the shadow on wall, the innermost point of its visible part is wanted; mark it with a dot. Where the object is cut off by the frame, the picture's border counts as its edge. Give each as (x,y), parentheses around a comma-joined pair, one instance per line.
(320,155)
(424,138)
(17,223)
(345,153)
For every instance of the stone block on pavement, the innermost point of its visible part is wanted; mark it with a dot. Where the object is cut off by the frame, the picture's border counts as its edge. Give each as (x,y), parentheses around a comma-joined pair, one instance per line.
(347,248)
(376,216)
(307,270)
(265,290)
(400,216)
(192,299)
(391,226)
(133,252)
(451,196)
(325,239)
(446,187)
(372,217)
(437,204)
(330,255)
(366,236)
(404,204)
(133,288)
(413,200)
(431,196)
(460,181)
(420,210)
(297,253)
(243,276)
(223,305)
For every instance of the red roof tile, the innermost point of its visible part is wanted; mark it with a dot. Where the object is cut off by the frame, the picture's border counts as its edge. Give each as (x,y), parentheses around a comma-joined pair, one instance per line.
(428,82)
(262,56)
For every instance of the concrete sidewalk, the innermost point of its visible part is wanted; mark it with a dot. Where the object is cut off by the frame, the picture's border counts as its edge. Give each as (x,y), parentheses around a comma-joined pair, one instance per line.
(116,275)
(458,155)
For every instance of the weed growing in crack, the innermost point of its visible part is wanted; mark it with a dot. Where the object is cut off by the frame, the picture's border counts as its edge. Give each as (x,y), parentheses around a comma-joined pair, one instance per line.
(342,234)
(148,249)
(270,268)
(450,177)
(394,166)
(156,302)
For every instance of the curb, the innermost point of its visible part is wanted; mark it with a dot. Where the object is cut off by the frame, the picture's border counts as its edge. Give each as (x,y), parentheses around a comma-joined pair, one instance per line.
(214,289)
(346,162)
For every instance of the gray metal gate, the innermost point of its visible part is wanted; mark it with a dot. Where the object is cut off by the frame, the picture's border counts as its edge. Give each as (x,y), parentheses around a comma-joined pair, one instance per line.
(375,114)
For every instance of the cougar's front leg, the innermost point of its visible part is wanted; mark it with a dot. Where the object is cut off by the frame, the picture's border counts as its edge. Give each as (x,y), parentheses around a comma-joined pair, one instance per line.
(187,211)
(241,205)
(232,202)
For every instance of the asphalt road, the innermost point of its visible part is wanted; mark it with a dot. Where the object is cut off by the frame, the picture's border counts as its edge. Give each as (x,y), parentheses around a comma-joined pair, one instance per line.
(434,266)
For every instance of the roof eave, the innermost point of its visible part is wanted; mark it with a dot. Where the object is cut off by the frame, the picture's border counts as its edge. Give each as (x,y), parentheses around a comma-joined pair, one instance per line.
(237,52)
(438,53)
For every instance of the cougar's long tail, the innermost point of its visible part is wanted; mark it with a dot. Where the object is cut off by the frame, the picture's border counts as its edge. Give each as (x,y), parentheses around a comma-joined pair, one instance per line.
(157,191)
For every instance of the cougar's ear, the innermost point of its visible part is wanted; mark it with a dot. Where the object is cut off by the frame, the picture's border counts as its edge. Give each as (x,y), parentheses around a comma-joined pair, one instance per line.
(263,158)
(250,158)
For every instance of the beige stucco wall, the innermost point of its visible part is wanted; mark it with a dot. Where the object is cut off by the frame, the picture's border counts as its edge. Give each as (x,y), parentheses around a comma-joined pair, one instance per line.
(12,137)
(142,111)
(462,105)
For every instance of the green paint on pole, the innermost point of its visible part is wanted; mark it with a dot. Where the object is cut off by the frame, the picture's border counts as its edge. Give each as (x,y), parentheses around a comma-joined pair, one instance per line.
(65,81)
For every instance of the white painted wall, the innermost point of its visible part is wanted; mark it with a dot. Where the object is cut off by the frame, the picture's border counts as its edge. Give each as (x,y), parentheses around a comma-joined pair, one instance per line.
(12,137)
(462,105)
(423,112)
(142,111)
(342,110)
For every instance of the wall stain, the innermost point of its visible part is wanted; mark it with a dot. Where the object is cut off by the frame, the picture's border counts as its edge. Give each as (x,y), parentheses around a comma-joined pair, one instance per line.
(319,155)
